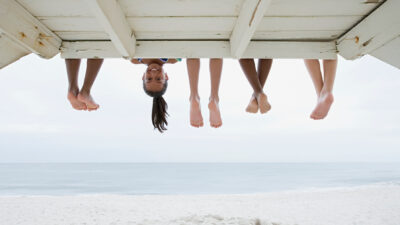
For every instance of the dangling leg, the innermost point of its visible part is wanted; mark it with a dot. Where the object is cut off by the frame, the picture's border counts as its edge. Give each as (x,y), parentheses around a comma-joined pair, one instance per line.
(264,66)
(193,67)
(325,98)
(92,69)
(322,88)
(249,70)
(314,70)
(73,89)
(213,106)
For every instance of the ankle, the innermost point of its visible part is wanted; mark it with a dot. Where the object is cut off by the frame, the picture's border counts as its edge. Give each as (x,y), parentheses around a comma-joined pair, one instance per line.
(257,94)
(325,92)
(214,98)
(194,98)
(84,92)
(73,89)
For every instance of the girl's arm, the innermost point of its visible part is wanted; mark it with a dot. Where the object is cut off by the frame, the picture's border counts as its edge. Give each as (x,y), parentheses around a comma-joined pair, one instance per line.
(135,61)
(173,61)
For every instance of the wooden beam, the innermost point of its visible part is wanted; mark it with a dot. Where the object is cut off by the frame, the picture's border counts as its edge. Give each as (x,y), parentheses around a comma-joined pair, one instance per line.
(247,22)
(24,29)
(89,49)
(113,20)
(389,53)
(10,51)
(189,28)
(380,27)
(202,49)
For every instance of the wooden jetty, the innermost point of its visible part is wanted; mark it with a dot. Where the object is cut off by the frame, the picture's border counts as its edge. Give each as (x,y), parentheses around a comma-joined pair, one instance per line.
(200,28)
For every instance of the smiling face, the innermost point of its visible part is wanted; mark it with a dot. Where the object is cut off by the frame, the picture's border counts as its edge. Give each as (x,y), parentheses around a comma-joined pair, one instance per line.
(154,78)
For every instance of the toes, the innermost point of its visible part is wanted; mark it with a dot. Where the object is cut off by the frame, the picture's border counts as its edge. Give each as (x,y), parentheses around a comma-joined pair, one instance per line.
(250,110)
(196,124)
(316,116)
(92,108)
(216,125)
(78,107)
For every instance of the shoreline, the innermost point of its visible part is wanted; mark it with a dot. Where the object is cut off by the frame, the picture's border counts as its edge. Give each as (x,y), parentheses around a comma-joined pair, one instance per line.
(366,205)
(298,190)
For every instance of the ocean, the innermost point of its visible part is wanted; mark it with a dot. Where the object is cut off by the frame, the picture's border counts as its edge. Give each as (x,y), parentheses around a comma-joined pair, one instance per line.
(188,178)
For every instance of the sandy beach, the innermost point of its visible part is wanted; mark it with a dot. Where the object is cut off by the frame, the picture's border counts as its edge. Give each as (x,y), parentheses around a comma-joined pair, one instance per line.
(369,205)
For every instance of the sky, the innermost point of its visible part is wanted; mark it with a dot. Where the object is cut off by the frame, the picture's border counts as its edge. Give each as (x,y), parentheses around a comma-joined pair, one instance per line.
(37,124)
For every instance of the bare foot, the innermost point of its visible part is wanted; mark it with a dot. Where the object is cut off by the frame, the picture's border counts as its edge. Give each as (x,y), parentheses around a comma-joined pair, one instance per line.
(324,103)
(263,103)
(196,119)
(88,100)
(215,115)
(252,107)
(75,103)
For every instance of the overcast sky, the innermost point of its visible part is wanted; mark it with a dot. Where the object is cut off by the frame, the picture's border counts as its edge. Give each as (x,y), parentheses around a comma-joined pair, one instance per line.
(37,123)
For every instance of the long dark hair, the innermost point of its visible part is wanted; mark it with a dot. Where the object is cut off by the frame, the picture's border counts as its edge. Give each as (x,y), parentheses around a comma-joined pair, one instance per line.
(159,113)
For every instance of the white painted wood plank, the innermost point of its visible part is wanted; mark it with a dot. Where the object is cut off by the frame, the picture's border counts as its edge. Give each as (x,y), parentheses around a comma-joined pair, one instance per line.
(82,35)
(59,8)
(291,49)
(113,20)
(10,51)
(202,49)
(248,20)
(83,24)
(144,24)
(310,35)
(270,28)
(227,23)
(89,49)
(309,23)
(263,35)
(181,8)
(177,24)
(20,26)
(374,31)
(202,24)
(232,7)
(389,53)
(185,35)
(321,7)
(204,7)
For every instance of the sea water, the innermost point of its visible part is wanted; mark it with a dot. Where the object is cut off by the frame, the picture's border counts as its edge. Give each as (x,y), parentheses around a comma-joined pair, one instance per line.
(188,178)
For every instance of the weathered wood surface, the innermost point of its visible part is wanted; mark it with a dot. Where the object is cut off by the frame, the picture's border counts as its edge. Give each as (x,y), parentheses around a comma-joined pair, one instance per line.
(249,18)
(10,51)
(378,28)
(25,30)
(206,19)
(389,53)
(206,28)
(262,35)
(202,49)
(112,19)
(204,8)
(270,28)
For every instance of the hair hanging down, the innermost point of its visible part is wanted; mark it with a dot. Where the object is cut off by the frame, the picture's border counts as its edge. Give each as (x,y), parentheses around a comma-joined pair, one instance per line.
(159,113)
